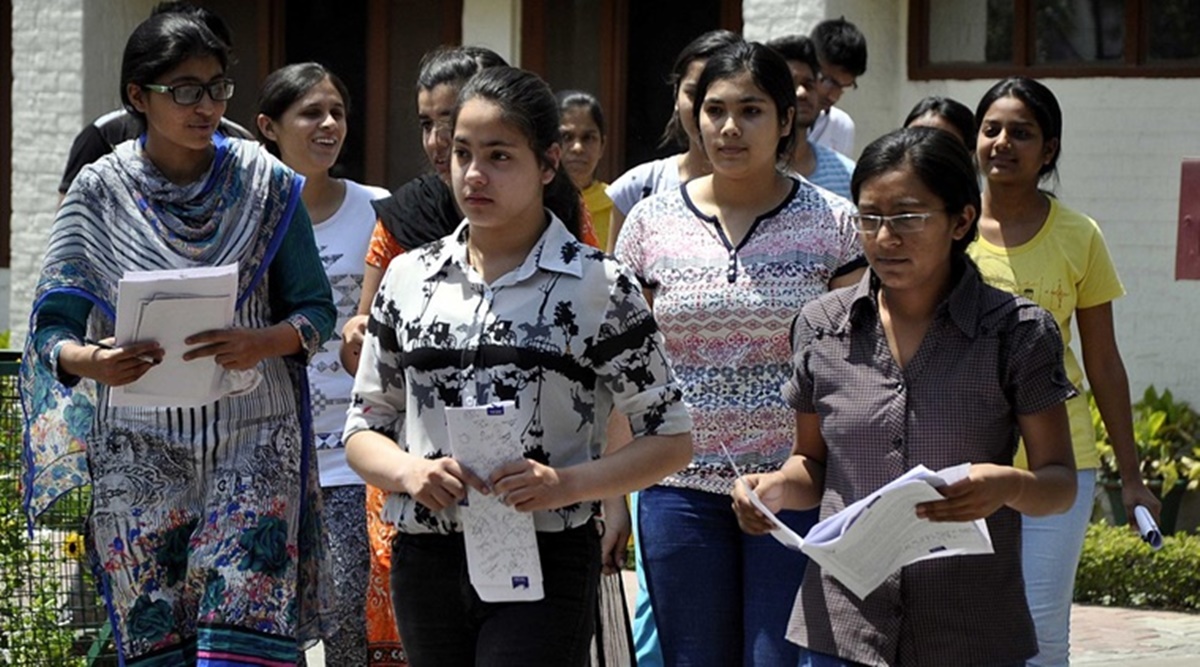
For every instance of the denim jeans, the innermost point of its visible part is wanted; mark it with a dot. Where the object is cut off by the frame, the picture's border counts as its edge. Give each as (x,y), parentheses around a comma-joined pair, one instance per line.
(1050,548)
(645,631)
(720,596)
(443,622)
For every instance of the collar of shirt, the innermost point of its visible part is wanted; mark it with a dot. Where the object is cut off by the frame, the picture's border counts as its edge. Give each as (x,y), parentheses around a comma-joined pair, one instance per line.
(962,304)
(556,250)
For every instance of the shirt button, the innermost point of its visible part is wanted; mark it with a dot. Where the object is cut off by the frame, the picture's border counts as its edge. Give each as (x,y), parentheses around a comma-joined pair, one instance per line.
(898,442)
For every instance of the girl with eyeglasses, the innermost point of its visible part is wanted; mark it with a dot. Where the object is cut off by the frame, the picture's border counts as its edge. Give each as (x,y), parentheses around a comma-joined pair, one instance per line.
(921,363)
(1033,245)
(727,260)
(205,525)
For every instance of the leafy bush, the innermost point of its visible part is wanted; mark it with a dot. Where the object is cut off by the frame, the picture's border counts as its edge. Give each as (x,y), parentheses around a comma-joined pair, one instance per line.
(1117,569)
(1167,433)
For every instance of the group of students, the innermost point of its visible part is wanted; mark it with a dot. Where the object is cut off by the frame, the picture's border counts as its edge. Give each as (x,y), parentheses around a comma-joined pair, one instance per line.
(323,503)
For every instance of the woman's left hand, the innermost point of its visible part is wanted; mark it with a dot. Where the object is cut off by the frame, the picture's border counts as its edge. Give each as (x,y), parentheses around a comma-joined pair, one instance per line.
(233,349)
(614,540)
(527,485)
(986,489)
(1135,493)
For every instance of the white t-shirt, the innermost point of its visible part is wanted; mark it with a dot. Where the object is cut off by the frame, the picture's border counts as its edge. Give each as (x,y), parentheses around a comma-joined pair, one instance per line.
(834,129)
(342,242)
(642,181)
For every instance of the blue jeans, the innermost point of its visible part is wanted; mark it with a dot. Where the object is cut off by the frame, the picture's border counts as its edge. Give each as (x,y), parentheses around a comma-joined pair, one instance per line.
(1050,548)
(645,632)
(720,596)
(444,623)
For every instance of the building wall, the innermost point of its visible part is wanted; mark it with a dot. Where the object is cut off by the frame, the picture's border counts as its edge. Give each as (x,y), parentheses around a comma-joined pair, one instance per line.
(63,77)
(47,101)
(1122,145)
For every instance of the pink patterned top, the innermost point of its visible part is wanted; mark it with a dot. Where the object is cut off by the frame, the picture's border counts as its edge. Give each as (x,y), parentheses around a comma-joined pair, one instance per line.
(726,313)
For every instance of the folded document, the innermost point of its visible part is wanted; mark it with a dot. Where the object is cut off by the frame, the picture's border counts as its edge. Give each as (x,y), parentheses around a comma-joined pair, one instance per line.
(862,545)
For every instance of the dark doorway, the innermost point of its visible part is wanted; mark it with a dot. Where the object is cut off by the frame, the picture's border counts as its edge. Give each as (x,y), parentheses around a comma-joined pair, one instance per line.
(335,35)
(657,33)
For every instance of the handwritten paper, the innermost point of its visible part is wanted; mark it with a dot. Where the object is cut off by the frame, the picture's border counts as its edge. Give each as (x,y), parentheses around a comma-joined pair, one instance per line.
(502,553)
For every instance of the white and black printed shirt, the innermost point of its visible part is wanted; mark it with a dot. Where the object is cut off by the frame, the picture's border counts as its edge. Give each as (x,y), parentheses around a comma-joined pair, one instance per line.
(567,335)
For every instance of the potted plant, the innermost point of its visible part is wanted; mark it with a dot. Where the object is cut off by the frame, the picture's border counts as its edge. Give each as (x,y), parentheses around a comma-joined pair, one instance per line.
(1167,434)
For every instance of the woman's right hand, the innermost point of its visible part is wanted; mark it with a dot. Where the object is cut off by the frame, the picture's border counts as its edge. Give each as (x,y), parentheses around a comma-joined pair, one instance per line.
(769,488)
(115,366)
(440,483)
(352,341)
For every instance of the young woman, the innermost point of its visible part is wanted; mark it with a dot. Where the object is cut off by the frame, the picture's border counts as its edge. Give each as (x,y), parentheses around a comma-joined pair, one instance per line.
(944,113)
(1031,244)
(922,363)
(583,146)
(666,174)
(205,525)
(534,316)
(302,112)
(729,259)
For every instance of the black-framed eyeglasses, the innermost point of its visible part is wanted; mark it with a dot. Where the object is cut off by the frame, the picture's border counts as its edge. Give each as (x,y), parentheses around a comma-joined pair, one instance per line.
(191,93)
(902,223)
(834,83)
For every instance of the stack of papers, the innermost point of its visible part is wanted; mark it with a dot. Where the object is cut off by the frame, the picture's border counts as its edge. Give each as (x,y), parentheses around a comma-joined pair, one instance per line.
(167,307)
(862,545)
(502,552)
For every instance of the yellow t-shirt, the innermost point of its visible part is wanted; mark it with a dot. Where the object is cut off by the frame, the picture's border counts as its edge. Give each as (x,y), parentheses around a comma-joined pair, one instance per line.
(1064,267)
(600,206)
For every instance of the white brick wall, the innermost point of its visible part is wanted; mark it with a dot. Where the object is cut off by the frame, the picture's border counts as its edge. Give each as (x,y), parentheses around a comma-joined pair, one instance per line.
(47,95)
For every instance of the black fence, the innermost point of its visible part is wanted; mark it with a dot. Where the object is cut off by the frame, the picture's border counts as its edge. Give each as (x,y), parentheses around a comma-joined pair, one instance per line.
(50,612)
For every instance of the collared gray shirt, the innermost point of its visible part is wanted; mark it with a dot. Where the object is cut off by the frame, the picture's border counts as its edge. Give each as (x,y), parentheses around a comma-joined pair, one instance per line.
(987,357)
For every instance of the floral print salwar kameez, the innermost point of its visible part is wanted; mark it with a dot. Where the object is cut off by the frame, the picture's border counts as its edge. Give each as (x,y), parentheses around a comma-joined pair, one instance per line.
(205,529)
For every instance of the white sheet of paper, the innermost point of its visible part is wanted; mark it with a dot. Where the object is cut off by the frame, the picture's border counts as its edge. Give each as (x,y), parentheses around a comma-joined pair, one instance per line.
(167,307)
(1147,527)
(502,554)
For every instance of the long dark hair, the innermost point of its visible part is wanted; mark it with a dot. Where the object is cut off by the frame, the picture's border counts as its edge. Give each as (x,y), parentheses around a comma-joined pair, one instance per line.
(1040,101)
(955,112)
(527,103)
(285,86)
(587,101)
(937,158)
(767,69)
(161,43)
(701,48)
(454,65)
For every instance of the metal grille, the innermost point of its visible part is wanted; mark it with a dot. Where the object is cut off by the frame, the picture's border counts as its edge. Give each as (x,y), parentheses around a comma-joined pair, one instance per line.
(50,611)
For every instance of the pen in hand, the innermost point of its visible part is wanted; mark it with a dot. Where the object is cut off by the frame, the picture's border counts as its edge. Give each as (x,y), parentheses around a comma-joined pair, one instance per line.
(105,346)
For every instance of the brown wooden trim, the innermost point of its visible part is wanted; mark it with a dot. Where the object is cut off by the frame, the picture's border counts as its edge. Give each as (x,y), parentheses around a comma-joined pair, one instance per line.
(533,36)
(375,146)
(731,15)
(6,80)
(1024,45)
(272,36)
(452,20)
(614,51)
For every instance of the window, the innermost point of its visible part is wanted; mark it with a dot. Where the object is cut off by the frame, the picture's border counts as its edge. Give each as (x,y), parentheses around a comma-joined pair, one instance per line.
(967,39)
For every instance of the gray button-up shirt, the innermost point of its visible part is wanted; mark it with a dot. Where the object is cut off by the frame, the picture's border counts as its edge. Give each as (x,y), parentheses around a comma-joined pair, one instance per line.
(987,357)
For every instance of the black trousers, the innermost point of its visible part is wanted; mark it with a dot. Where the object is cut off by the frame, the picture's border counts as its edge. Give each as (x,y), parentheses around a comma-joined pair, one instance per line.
(443,623)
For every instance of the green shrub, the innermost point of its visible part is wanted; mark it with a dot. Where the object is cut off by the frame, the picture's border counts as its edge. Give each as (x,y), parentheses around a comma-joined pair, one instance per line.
(1117,569)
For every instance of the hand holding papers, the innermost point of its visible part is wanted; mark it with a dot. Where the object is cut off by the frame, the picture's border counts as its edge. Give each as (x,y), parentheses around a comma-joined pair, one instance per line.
(502,553)
(866,542)
(1147,528)
(167,307)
